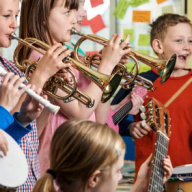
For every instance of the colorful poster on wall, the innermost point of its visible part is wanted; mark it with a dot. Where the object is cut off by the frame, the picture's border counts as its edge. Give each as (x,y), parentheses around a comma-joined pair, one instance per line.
(130,32)
(95,3)
(143,40)
(121,9)
(160,1)
(141,16)
(167,9)
(136,3)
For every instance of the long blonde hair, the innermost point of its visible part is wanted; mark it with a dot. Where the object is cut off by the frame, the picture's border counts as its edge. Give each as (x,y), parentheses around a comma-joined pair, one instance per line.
(78,149)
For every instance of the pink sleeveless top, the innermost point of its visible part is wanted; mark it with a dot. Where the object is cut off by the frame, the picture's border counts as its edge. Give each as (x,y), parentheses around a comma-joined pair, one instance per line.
(54,121)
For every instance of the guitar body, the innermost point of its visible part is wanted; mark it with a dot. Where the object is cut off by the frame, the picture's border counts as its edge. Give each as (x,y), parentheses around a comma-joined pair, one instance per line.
(115,117)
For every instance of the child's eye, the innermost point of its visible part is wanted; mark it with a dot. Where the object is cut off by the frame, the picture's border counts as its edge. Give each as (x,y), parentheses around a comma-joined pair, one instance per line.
(67,13)
(16,16)
(190,41)
(178,40)
(6,16)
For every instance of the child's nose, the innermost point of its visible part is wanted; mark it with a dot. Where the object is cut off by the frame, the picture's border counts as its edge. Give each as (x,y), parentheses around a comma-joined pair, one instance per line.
(14,24)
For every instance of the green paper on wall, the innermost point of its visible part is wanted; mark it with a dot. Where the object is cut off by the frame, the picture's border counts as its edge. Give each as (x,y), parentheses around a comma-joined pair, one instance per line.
(130,32)
(136,3)
(153,54)
(143,40)
(167,9)
(145,52)
(121,9)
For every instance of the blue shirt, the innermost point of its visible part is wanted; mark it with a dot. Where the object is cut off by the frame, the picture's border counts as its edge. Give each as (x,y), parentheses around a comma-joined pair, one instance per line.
(9,124)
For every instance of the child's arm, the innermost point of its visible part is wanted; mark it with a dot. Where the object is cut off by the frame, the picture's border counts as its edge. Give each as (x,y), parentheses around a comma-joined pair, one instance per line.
(3,143)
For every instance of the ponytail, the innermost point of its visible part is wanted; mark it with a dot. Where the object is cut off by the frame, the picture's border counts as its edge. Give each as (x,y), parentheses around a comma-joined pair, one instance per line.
(45,184)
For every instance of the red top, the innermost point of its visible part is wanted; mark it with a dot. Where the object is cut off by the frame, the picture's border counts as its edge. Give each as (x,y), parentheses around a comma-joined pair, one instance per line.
(180,145)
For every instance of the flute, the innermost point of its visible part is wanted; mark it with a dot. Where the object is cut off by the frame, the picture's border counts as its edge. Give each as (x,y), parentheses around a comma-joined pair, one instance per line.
(46,103)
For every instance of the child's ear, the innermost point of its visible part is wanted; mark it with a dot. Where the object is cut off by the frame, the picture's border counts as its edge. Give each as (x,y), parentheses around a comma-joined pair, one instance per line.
(157,46)
(94,179)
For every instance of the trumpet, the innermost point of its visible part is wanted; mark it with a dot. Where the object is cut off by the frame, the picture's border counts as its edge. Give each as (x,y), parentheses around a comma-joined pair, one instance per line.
(107,83)
(163,67)
(53,108)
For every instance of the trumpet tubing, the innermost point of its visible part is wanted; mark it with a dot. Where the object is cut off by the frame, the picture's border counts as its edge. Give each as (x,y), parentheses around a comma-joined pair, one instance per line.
(163,67)
(108,84)
(53,108)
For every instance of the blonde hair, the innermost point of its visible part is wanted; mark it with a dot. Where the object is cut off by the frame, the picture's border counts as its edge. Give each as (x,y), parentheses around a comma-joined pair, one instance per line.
(78,149)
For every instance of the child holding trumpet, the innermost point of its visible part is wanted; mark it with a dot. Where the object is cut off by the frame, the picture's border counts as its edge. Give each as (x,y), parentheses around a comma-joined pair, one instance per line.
(54,26)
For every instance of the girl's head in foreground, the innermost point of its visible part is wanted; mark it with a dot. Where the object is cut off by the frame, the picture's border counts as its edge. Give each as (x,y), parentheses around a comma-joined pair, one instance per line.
(84,156)
(9,10)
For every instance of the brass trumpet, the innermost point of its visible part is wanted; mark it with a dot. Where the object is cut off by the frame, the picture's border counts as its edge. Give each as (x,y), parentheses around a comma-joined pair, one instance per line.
(107,83)
(163,67)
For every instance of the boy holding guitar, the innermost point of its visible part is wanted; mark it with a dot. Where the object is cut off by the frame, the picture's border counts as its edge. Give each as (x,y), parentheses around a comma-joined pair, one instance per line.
(170,34)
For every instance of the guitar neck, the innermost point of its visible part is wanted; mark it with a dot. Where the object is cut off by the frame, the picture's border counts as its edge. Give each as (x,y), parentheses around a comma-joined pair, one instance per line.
(157,171)
(121,113)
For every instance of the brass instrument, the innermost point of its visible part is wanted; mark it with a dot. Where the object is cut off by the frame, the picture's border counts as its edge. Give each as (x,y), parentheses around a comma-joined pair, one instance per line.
(107,83)
(163,67)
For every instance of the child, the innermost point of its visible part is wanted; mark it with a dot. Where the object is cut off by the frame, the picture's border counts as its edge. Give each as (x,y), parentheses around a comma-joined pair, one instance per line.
(88,156)
(170,34)
(9,10)
(54,25)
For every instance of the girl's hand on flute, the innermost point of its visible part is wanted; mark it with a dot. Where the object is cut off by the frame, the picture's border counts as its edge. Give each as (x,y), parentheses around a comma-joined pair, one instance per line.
(10,92)
(30,108)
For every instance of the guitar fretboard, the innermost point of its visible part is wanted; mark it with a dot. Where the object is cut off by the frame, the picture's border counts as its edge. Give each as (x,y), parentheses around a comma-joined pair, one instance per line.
(122,113)
(157,172)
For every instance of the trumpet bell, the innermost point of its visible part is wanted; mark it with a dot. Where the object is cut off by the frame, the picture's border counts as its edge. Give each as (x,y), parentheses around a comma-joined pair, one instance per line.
(165,74)
(111,88)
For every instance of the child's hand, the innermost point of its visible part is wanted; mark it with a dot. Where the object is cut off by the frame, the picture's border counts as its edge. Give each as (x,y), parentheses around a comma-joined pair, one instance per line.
(143,174)
(114,51)
(9,90)
(168,169)
(52,61)
(30,109)
(137,101)
(3,143)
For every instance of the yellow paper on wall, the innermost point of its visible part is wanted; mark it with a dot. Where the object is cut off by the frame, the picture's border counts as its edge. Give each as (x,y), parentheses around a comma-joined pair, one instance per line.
(121,9)
(136,3)
(141,16)
(167,9)
(143,40)
(145,52)
(160,1)
(130,32)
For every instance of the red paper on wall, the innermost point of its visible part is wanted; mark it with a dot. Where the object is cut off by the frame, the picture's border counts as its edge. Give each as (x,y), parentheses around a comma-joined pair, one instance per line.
(95,3)
(97,24)
(85,22)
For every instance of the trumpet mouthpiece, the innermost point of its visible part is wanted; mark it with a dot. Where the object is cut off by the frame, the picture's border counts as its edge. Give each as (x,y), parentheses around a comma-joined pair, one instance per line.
(75,32)
(13,36)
